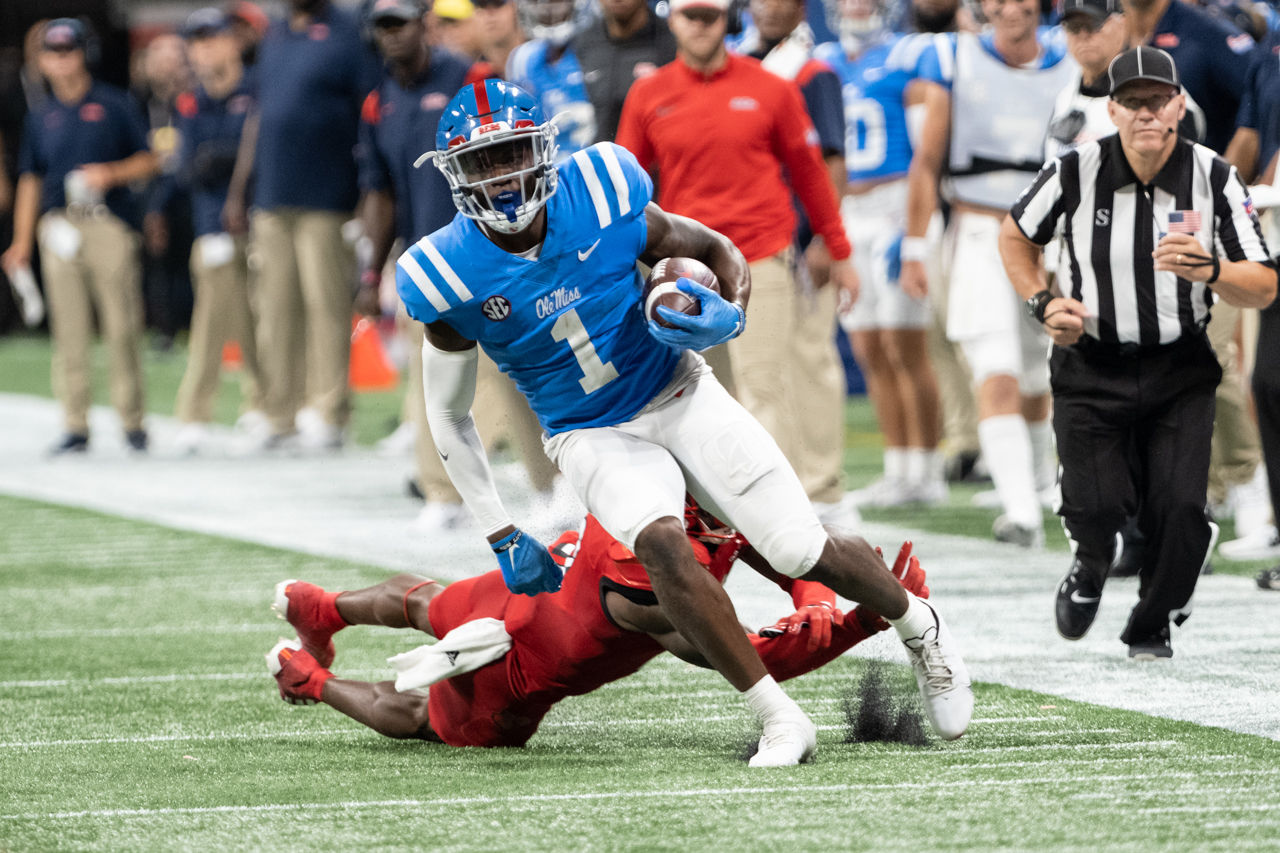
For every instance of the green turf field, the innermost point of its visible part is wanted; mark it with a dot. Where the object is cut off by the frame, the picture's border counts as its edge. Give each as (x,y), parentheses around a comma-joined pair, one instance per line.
(24,369)
(138,715)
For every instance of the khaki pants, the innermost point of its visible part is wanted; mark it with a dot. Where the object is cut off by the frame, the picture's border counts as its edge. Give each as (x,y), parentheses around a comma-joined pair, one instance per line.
(955,380)
(222,313)
(91,263)
(500,411)
(787,373)
(302,291)
(1237,448)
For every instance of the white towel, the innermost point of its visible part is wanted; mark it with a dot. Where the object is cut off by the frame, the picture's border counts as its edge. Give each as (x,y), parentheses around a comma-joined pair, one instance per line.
(464,649)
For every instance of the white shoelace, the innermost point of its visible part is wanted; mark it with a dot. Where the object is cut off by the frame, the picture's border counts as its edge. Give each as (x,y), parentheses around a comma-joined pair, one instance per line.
(938,677)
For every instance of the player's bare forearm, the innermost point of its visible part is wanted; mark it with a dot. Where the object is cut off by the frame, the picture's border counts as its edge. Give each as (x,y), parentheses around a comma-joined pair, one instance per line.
(926,163)
(672,236)
(381,708)
(378,216)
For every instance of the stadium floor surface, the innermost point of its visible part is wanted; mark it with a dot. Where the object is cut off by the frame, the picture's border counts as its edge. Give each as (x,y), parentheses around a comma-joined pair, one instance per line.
(138,716)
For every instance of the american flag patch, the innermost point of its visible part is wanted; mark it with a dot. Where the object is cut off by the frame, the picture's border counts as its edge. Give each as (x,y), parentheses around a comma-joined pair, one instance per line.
(1184,221)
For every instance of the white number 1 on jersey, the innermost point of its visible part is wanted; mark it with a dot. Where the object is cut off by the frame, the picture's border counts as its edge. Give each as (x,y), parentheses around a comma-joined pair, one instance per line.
(596,373)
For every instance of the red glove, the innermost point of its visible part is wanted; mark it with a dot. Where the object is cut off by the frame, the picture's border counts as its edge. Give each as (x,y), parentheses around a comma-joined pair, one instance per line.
(908,572)
(786,654)
(816,607)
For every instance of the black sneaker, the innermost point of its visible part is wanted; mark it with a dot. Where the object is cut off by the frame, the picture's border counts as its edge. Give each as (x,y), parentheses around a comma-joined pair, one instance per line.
(1153,648)
(72,442)
(1269,578)
(1077,603)
(1131,550)
(137,439)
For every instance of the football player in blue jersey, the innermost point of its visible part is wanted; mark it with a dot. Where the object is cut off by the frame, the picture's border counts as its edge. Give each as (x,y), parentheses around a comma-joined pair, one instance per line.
(888,327)
(539,268)
(547,68)
(985,124)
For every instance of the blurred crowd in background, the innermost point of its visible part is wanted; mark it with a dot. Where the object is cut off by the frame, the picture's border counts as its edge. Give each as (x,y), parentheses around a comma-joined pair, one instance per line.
(246,173)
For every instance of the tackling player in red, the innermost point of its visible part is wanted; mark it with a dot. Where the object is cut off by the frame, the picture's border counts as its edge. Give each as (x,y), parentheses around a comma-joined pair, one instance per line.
(503,660)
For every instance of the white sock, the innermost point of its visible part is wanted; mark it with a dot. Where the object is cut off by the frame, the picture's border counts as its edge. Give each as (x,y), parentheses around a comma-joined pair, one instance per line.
(915,465)
(918,619)
(935,465)
(1044,461)
(768,700)
(895,463)
(1006,445)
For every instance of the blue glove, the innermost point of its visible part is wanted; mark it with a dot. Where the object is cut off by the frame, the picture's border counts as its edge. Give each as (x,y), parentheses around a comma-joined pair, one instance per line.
(719,321)
(893,257)
(527,567)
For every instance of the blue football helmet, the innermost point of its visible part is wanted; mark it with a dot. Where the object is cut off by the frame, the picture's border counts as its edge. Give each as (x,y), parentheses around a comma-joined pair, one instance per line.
(493,136)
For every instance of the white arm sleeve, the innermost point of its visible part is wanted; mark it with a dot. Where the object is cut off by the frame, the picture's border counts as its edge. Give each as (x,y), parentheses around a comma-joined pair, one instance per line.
(449,385)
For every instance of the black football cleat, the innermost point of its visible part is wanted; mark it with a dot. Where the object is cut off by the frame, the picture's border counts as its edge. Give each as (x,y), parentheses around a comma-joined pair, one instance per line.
(137,440)
(1077,602)
(1152,648)
(72,442)
(1130,552)
(1269,578)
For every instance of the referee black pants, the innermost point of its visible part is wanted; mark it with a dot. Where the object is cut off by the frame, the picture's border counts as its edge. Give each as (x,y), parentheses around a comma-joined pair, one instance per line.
(1133,436)
(1266,395)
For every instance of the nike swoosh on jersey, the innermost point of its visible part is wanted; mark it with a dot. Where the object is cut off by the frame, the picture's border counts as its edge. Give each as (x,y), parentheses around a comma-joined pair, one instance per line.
(443,455)
(1080,599)
(582,256)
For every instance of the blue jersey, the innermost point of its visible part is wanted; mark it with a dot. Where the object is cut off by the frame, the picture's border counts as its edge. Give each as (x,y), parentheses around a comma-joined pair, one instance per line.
(876,142)
(569,326)
(559,87)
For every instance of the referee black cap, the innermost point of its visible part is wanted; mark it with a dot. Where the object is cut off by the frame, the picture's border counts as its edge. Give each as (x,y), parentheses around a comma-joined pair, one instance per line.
(1097,10)
(1143,63)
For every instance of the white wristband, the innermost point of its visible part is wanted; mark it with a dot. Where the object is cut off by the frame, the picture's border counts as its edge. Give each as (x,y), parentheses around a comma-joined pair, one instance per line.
(914,249)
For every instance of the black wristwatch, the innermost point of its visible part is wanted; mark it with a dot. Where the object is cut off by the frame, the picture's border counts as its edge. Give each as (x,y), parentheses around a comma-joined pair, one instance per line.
(1036,304)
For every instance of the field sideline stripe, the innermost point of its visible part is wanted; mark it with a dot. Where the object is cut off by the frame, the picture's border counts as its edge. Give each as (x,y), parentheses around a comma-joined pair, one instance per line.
(620,795)
(34,744)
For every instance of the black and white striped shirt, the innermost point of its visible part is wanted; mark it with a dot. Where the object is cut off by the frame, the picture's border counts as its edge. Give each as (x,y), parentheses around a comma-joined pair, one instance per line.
(1111,224)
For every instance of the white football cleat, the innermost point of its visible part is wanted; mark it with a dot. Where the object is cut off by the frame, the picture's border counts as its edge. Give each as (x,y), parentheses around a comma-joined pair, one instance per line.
(843,513)
(438,516)
(1262,544)
(942,678)
(884,492)
(191,439)
(787,741)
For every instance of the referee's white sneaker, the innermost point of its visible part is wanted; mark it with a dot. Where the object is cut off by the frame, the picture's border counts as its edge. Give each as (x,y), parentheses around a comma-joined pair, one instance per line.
(788,740)
(941,676)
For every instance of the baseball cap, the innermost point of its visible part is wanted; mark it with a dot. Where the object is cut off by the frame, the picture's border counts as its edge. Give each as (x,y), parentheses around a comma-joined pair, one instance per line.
(1143,63)
(681,5)
(250,13)
(400,10)
(455,10)
(1098,10)
(206,22)
(65,34)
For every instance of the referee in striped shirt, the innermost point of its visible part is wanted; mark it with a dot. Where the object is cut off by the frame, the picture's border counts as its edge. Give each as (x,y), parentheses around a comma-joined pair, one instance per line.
(1144,215)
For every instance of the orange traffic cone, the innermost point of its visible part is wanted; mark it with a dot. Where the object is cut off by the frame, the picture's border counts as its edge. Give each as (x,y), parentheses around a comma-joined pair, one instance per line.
(232,357)
(370,369)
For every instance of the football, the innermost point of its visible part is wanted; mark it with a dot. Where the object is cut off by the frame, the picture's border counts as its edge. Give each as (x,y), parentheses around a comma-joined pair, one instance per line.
(660,288)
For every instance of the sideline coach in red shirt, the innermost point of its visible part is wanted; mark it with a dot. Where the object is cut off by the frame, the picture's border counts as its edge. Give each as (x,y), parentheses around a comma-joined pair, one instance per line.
(719,131)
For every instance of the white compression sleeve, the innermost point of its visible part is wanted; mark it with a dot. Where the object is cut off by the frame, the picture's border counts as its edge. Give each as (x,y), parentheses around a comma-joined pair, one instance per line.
(449,386)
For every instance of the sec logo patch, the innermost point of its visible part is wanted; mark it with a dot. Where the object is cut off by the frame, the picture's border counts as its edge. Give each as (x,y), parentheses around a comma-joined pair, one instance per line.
(496,308)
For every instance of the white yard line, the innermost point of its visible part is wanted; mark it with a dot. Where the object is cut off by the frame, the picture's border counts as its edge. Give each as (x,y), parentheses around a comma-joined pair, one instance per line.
(791,790)
(996,598)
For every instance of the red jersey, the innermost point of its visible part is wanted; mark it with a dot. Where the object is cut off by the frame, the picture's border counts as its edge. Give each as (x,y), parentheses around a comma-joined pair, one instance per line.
(562,643)
(721,144)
